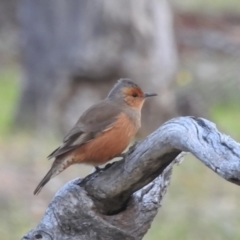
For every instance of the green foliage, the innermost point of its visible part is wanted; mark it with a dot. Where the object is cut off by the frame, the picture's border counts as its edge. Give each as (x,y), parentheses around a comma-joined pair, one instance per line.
(8,96)
(227,116)
(208,6)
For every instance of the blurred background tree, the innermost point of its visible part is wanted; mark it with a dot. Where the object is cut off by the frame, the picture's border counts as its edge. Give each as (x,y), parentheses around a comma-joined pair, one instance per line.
(74,51)
(59,57)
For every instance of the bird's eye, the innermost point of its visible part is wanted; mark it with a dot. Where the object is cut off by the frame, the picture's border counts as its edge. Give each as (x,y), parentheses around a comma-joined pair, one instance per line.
(134,95)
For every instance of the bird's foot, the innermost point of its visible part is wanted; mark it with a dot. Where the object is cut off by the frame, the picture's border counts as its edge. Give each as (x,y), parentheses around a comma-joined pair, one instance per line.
(107,166)
(98,169)
(130,150)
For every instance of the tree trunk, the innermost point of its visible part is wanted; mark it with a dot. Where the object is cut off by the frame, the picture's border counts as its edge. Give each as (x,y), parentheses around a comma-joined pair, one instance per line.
(73,51)
(120,201)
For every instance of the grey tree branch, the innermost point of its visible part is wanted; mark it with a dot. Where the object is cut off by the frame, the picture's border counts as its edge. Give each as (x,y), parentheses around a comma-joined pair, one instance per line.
(121,201)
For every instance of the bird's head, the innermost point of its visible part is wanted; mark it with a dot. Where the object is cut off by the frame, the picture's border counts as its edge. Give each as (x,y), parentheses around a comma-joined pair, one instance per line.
(129,92)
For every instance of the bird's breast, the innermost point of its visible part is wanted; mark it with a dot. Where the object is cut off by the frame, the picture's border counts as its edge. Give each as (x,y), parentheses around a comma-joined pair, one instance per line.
(110,142)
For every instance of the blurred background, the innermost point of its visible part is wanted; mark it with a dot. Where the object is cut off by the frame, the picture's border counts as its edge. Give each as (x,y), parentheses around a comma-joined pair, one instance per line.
(59,57)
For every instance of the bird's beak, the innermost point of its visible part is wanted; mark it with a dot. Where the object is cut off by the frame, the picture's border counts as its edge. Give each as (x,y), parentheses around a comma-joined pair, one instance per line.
(149,95)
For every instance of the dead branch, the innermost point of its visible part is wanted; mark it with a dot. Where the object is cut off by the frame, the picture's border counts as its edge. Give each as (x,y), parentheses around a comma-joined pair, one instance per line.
(121,201)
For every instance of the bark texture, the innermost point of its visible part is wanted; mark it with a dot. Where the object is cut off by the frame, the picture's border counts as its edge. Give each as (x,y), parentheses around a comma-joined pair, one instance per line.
(120,201)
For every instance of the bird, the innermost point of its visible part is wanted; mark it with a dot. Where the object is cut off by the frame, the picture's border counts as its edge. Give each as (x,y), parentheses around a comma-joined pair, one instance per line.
(102,132)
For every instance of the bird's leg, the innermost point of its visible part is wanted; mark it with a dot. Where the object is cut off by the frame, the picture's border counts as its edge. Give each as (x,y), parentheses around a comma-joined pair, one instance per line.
(98,169)
(132,148)
(109,165)
(122,155)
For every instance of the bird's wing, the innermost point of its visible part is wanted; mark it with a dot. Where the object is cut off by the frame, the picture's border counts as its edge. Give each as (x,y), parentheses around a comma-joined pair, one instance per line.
(97,119)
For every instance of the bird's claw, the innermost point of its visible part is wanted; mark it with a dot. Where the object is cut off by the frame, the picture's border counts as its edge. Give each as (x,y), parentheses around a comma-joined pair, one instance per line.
(109,165)
(132,148)
(98,169)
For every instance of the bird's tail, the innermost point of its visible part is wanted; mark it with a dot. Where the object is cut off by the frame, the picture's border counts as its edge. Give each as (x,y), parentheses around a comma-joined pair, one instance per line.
(53,172)
(44,181)
(57,167)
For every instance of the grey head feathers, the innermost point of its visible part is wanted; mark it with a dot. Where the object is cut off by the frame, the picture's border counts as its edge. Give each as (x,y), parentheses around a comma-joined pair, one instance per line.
(116,91)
